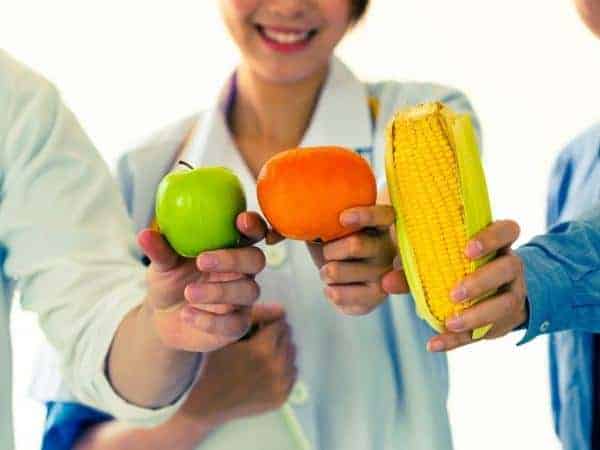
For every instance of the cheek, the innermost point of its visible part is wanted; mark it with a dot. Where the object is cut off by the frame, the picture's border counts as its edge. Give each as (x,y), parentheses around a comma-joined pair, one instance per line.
(236,15)
(336,12)
(239,7)
(337,16)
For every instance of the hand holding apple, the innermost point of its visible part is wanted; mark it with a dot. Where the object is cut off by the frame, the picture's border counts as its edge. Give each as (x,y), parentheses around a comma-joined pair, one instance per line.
(181,291)
(201,289)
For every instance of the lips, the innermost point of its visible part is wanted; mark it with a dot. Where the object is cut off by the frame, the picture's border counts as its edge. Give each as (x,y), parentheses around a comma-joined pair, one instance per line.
(286,39)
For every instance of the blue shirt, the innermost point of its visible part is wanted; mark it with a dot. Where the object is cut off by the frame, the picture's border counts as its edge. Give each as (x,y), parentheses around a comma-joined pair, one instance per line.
(562,269)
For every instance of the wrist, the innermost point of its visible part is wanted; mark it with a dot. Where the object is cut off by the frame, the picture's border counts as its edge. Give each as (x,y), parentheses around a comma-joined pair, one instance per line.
(185,432)
(147,320)
(183,365)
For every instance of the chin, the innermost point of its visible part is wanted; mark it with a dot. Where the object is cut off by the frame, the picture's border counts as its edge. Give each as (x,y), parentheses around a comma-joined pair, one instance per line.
(289,73)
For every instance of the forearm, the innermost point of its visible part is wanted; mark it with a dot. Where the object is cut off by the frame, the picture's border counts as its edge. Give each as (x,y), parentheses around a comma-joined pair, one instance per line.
(176,434)
(562,271)
(141,369)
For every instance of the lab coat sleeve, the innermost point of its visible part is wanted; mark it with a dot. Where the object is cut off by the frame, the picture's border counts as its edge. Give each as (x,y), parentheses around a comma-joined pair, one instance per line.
(68,242)
(395,96)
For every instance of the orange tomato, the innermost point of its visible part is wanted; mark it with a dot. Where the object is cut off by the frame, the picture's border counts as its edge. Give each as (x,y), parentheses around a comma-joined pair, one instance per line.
(303,191)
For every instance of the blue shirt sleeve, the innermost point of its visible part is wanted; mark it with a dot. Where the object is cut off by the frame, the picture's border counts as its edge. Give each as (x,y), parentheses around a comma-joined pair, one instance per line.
(67,422)
(562,267)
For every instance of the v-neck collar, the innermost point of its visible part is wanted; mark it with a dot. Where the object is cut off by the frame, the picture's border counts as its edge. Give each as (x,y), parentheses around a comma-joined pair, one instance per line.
(342,117)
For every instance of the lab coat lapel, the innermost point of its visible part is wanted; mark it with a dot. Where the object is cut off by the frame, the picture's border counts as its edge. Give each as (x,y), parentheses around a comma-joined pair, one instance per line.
(342,116)
(213,145)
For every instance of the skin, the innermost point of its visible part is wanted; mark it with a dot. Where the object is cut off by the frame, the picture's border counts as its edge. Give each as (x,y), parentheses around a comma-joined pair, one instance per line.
(589,10)
(178,290)
(243,379)
(276,96)
(506,310)
(264,123)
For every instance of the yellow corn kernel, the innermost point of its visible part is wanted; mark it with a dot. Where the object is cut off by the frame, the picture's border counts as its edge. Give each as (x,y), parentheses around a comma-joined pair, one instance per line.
(431,152)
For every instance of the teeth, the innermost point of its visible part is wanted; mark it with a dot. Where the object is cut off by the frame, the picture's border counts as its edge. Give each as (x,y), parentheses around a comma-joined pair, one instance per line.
(286,37)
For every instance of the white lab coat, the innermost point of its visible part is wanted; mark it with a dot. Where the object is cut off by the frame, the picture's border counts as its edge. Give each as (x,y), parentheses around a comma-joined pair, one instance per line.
(365,383)
(65,242)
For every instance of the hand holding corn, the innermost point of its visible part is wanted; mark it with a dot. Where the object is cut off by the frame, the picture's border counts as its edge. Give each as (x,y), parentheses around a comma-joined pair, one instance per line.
(506,310)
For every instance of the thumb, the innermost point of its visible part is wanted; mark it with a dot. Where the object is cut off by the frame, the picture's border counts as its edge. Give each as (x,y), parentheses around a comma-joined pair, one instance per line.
(162,256)
(264,314)
(394,282)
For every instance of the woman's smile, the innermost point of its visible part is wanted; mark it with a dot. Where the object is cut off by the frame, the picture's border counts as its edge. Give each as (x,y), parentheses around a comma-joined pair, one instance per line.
(285,40)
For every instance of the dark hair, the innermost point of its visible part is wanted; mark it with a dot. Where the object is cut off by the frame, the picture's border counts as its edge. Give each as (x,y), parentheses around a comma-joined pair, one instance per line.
(359,7)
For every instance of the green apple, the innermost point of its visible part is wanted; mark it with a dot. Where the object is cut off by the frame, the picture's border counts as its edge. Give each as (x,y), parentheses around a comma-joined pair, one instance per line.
(196,209)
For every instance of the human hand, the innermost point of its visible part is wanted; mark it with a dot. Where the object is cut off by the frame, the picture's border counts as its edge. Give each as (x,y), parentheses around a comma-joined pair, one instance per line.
(202,304)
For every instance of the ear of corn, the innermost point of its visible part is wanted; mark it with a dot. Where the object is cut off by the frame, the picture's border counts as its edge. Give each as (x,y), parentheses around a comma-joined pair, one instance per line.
(438,190)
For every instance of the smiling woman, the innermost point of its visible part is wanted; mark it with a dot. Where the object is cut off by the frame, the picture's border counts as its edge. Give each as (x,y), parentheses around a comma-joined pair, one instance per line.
(287,41)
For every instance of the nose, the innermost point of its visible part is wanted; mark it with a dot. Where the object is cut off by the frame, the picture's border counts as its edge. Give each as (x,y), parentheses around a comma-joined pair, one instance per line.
(289,9)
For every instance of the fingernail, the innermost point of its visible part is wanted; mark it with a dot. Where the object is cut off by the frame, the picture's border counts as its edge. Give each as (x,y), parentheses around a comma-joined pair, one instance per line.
(459,293)
(474,249)
(455,323)
(245,222)
(350,218)
(435,345)
(207,262)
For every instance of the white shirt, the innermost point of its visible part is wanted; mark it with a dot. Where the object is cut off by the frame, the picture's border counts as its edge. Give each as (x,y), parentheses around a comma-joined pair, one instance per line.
(65,242)
(365,383)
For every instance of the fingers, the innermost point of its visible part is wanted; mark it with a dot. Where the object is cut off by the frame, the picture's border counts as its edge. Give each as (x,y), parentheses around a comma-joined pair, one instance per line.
(265,314)
(271,336)
(232,325)
(248,260)
(498,308)
(356,299)
(394,282)
(503,270)
(159,251)
(500,234)
(449,341)
(242,292)
(356,246)
(252,226)
(339,272)
(378,216)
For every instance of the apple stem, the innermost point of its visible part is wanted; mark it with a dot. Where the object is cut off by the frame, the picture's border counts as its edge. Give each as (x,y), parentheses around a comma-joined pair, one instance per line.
(186,164)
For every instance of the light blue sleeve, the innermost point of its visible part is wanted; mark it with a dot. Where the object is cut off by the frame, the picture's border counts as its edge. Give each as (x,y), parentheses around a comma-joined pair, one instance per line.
(562,271)
(562,267)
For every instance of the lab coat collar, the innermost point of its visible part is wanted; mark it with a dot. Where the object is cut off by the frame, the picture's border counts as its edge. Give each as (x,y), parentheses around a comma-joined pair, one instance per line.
(342,117)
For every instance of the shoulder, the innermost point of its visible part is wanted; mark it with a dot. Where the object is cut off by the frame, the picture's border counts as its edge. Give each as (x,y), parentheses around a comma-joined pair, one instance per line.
(581,154)
(173,133)
(394,95)
(574,173)
(19,86)
(411,92)
(164,139)
(23,93)
(584,148)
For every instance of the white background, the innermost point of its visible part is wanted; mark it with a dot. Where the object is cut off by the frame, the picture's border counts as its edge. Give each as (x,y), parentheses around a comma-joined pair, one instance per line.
(530,68)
